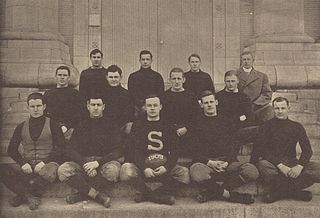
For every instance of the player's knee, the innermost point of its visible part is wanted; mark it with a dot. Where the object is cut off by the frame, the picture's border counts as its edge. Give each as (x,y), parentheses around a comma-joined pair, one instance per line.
(128,171)
(197,173)
(49,171)
(182,174)
(111,171)
(249,172)
(65,171)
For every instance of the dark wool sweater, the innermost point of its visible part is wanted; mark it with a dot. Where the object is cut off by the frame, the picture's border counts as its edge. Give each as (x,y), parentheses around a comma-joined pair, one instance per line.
(63,105)
(234,105)
(278,141)
(214,136)
(95,137)
(180,108)
(149,137)
(119,105)
(35,127)
(143,83)
(197,82)
(92,81)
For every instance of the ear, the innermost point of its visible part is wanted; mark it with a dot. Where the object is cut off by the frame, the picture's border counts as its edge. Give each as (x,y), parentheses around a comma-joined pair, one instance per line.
(160,106)
(200,103)
(44,106)
(144,108)
(183,80)
(217,102)
(88,105)
(104,106)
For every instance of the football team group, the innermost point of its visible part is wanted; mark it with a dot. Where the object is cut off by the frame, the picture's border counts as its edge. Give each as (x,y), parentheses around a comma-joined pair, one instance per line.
(102,134)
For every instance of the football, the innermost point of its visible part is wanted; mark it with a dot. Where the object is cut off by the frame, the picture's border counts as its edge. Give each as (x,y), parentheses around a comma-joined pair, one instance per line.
(155,160)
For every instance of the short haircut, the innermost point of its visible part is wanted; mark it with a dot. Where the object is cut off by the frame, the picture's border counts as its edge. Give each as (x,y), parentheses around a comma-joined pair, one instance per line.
(176,70)
(205,94)
(280,99)
(95,51)
(194,55)
(231,73)
(114,68)
(152,96)
(95,96)
(144,52)
(34,96)
(247,53)
(63,68)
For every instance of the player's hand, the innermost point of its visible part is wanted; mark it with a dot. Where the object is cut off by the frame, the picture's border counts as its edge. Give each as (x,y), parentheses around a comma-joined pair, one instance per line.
(92,173)
(182,131)
(295,171)
(216,165)
(89,166)
(160,171)
(149,173)
(38,167)
(223,166)
(283,169)
(242,117)
(64,129)
(26,168)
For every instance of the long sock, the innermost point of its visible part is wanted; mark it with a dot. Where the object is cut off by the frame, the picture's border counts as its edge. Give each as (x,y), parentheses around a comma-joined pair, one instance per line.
(139,184)
(100,183)
(170,186)
(212,187)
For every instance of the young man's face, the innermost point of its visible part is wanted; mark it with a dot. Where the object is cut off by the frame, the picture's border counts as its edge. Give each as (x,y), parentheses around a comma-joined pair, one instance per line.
(209,105)
(231,83)
(113,78)
(95,107)
(96,60)
(153,107)
(247,61)
(36,107)
(62,78)
(145,60)
(194,64)
(177,79)
(281,110)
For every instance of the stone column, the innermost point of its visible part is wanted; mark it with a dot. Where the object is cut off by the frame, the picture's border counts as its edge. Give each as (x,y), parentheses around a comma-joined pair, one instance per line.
(31,47)
(279,21)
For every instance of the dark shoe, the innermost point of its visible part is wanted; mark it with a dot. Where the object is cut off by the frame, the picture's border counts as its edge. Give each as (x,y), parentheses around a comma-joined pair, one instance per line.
(241,198)
(205,196)
(17,200)
(141,197)
(103,199)
(271,197)
(33,202)
(163,199)
(302,195)
(75,198)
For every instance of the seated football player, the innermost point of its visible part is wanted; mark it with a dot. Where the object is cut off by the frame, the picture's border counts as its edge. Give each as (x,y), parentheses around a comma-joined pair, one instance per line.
(95,156)
(278,165)
(155,157)
(37,162)
(215,157)
(180,108)
(63,102)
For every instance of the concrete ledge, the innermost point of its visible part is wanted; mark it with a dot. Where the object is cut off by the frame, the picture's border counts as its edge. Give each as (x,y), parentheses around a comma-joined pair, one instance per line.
(184,207)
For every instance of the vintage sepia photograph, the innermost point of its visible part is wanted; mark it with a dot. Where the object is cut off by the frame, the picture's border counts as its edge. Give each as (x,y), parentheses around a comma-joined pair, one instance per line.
(160,108)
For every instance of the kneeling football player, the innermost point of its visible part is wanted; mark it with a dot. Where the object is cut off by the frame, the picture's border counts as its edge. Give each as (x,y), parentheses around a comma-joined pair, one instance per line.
(155,159)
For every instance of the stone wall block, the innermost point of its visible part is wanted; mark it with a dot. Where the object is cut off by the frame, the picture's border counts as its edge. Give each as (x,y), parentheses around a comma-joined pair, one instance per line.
(291,46)
(24,18)
(311,46)
(231,63)
(21,74)
(19,44)
(9,54)
(266,47)
(307,57)
(3,69)
(3,43)
(46,20)
(313,73)
(233,23)
(81,10)
(291,76)
(56,54)
(233,47)
(80,43)
(42,53)
(278,58)
(45,44)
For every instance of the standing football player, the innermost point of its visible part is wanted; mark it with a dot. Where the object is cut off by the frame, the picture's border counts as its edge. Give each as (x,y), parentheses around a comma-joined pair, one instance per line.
(154,144)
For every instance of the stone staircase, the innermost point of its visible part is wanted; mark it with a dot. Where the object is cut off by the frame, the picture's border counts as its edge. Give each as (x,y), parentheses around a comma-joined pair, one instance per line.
(304,110)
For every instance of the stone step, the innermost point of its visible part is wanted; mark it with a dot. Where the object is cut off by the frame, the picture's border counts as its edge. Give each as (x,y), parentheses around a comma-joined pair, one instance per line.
(304,118)
(7,131)
(17,93)
(13,106)
(304,105)
(313,130)
(184,207)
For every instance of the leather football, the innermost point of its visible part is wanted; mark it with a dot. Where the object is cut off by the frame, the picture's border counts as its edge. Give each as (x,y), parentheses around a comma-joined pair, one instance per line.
(154,161)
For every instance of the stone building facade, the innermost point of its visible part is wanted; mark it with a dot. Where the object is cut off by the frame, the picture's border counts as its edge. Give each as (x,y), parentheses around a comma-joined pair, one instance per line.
(36,36)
